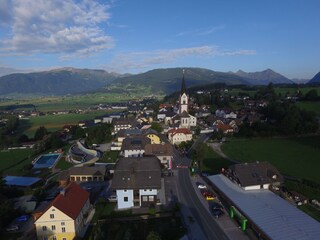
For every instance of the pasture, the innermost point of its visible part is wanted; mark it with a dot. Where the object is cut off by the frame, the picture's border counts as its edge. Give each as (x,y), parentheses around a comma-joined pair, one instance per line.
(297,157)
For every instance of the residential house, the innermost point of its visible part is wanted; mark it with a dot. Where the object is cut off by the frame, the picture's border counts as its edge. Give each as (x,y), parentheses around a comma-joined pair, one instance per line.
(224,128)
(154,136)
(226,113)
(123,123)
(65,217)
(177,136)
(134,146)
(137,182)
(255,175)
(83,174)
(164,152)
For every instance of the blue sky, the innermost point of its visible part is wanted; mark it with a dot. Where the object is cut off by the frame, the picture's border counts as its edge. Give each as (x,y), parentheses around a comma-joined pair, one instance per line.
(136,36)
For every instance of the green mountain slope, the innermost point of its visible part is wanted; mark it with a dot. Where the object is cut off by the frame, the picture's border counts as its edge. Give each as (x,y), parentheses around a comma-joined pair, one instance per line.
(55,82)
(169,80)
(264,77)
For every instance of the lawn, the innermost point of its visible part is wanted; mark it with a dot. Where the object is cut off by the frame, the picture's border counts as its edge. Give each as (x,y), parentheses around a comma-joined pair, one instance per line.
(212,162)
(298,157)
(12,161)
(110,157)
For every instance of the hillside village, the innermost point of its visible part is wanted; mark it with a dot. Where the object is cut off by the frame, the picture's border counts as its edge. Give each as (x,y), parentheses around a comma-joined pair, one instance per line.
(128,158)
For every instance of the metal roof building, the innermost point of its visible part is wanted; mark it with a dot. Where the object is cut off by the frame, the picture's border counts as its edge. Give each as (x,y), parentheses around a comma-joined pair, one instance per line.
(273,216)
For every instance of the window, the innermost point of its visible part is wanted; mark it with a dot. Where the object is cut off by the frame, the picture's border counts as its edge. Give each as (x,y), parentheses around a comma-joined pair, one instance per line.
(53,227)
(145,198)
(62,223)
(51,216)
(151,198)
(63,229)
(125,199)
(54,238)
(44,228)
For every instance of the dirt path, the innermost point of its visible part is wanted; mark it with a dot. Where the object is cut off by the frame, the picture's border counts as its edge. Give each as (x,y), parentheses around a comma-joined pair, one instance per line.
(217,148)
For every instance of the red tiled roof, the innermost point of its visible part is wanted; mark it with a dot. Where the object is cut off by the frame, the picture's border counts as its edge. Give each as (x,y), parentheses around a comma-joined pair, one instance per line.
(179,130)
(73,200)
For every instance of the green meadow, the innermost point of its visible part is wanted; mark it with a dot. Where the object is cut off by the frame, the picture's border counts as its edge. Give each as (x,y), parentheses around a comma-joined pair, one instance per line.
(212,163)
(297,157)
(13,161)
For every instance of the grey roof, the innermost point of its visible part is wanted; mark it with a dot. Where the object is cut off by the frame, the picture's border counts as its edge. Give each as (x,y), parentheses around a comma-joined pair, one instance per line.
(95,170)
(135,143)
(137,173)
(256,173)
(128,132)
(276,218)
(165,149)
(83,170)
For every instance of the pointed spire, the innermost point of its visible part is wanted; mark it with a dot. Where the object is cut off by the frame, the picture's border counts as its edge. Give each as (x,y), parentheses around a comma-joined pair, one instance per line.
(183,85)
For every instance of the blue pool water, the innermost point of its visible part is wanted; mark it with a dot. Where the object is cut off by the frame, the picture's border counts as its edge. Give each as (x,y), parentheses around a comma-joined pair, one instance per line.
(46,161)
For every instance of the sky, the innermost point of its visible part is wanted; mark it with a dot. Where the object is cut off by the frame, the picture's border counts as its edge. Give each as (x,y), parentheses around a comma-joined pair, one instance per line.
(134,36)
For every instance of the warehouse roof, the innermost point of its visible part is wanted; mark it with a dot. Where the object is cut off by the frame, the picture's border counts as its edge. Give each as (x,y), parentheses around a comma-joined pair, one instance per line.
(275,217)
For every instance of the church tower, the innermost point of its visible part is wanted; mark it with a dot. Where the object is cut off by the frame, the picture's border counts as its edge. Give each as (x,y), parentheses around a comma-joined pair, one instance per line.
(183,100)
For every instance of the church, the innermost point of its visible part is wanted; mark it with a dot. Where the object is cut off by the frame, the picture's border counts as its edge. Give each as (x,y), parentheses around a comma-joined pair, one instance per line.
(183,119)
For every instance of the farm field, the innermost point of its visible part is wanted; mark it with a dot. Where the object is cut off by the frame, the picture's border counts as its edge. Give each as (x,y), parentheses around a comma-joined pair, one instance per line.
(73,102)
(12,161)
(54,122)
(297,157)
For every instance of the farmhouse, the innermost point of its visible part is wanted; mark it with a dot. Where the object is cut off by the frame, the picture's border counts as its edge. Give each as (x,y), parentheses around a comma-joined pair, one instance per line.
(65,217)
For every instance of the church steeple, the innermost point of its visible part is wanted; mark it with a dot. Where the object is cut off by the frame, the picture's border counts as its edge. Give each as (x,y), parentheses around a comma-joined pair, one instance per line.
(183,100)
(183,85)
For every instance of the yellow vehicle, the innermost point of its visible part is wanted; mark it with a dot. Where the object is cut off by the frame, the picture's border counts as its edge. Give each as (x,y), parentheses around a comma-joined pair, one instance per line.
(209,197)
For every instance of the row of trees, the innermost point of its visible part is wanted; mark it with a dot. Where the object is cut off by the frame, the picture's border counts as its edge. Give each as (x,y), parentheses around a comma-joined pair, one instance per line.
(283,118)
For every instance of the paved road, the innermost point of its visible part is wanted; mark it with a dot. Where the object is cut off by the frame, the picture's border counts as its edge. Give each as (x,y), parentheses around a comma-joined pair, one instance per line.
(190,201)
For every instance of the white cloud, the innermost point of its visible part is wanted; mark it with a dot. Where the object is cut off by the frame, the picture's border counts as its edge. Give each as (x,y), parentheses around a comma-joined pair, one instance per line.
(126,62)
(67,27)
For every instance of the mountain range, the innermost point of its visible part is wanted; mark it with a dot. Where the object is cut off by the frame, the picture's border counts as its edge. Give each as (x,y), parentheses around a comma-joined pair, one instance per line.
(64,81)
(55,82)
(315,79)
(264,77)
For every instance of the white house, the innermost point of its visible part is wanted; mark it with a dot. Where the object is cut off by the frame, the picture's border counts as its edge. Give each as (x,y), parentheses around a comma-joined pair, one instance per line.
(177,136)
(137,182)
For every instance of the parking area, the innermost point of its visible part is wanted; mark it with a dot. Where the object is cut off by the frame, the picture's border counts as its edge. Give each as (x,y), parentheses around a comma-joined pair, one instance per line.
(217,210)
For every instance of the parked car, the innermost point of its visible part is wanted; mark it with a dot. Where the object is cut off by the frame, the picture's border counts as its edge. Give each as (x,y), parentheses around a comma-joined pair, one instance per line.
(209,197)
(12,228)
(215,206)
(217,213)
(22,218)
(205,192)
(112,198)
(201,186)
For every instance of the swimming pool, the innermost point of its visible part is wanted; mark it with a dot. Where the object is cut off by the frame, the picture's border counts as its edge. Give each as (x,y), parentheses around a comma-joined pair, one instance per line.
(46,160)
